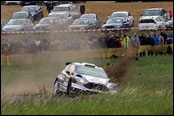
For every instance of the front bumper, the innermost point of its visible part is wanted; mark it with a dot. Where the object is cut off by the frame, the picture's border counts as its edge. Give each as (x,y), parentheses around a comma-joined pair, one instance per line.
(81,88)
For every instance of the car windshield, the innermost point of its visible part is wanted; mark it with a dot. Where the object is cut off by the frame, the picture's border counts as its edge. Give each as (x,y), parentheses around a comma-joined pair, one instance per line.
(17,22)
(152,13)
(80,22)
(57,15)
(61,9)
(47,21)
(119,15)
(114,21)
(74,8)
(19,16)
(88,16)
(29,9)
(91,72)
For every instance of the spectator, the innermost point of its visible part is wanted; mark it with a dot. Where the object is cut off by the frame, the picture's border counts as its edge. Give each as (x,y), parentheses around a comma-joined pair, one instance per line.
(156,39)
(37,43)
(125,41)
(170,39)
(118,45)
(161,39)
(143,39)
(150,42)
(49,6)
(5,52)
(102,41)
(82,9)
(135,42)
(163,33)
(171,14)
(4,45)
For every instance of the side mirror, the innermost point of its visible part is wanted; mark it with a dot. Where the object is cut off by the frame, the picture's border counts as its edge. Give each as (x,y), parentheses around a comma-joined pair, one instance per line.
(105,22)
(141,15)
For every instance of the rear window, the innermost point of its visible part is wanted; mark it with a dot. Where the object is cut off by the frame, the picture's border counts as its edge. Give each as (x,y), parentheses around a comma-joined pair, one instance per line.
(147,21)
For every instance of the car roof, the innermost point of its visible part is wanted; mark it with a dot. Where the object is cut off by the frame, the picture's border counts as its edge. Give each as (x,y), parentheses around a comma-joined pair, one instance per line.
(58,13)
(32,6)
(155,9)
(120,12)
(87,64)
(49,17)
(22,12)
(64,5)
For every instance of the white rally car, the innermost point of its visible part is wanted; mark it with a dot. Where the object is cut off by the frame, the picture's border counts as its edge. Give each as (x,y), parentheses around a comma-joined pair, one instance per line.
(83,77)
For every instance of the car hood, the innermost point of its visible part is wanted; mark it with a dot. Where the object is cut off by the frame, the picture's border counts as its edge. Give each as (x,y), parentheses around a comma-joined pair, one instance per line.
(146,17)
(13,27)
(78,26)
(96,80)
(113,24)
(43,25)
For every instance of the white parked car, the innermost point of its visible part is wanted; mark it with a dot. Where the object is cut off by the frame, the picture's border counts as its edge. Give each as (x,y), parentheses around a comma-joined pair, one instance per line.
(123,14)
(149,13)
(154,23)
(72,9)
(12,2)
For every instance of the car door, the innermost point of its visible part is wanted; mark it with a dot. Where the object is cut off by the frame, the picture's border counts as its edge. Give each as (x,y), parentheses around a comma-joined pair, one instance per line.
(161,22)
(130,18)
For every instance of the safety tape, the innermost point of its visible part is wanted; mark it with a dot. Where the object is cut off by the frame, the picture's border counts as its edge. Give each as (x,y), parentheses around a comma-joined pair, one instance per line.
(80,30)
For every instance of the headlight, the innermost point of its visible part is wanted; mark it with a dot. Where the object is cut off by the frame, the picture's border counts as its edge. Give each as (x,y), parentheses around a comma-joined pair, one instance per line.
(109,85)
(82,81)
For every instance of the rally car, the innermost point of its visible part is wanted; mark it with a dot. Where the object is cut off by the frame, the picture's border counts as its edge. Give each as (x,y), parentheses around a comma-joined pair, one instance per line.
(79,78)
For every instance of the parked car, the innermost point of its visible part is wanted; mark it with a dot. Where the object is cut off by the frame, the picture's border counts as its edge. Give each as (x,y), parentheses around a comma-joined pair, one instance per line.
(62,15)
(18,25)
(82,77)
(72,9)
(149,13)
(54,3)
(3,23)
(22,15)
(154,23)
(116,23)
(84,24)
(92,16)
(36,11)
(50,23)
(170,24)
(12,2)
(23,3)
(125,15)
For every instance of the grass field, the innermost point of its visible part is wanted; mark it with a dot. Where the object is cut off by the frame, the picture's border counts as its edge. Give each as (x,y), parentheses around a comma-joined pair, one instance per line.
(101,8)
(149,90)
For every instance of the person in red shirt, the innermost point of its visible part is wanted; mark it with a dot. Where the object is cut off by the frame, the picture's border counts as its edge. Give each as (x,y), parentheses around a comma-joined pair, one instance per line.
(171,14)
(119,40)
(5,52)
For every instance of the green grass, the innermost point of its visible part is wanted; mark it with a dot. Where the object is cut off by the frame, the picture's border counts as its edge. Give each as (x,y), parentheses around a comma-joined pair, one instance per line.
(148,92)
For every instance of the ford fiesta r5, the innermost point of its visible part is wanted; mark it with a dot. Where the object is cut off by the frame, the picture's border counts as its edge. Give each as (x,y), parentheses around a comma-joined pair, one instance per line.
(83,77)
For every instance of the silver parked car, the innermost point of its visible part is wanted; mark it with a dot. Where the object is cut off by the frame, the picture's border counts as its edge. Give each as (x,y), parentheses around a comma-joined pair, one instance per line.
(22,15)
(170,23)
(18,25)
(12,2)
(62,15)
(154,23)
(92,16)
(3,23)
(50,23)
(124,14)
(84,24)
(151,12)
(83,77)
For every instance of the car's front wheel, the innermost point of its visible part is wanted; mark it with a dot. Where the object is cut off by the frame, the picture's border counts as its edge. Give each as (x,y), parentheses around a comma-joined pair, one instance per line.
(55,89)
